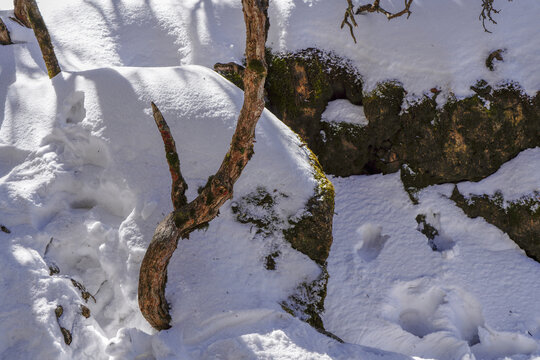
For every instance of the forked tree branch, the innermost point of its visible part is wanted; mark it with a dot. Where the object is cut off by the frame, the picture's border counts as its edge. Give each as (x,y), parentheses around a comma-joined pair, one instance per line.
(376,7)
(350,21)
(219,188)
(486,14)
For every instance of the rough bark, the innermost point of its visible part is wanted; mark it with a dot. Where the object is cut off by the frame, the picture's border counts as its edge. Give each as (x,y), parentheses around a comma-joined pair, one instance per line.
(5,39)
(20,12)
(187,218)
(28,13)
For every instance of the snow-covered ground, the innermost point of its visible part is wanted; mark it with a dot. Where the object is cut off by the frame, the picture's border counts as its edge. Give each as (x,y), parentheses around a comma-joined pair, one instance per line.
(475,295)
(83,183)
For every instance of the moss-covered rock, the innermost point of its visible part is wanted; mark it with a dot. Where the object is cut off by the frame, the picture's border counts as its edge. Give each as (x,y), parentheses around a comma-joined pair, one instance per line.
(299,86)
(310,234)
(232,72)
(519,219)
(467,139)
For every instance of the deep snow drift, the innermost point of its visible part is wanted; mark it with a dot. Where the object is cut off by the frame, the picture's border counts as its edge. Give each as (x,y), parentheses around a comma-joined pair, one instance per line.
(83,183)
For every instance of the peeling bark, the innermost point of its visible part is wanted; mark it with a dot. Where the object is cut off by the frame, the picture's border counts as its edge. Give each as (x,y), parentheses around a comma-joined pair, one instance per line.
(188,217)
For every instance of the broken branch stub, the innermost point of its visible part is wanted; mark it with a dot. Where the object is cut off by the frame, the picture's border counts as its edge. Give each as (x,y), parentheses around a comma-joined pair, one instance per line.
(5,39)
(187,217)
(179,185)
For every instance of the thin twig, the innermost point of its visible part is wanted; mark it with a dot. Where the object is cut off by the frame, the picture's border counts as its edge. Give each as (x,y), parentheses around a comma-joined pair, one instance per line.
(487,9)
(349,15)
(376,7)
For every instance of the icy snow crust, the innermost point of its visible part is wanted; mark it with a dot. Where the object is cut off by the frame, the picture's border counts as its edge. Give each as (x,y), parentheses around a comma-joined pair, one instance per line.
(83,183)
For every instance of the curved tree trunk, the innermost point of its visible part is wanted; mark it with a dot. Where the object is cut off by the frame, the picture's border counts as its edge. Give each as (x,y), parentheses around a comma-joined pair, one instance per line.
(187,217)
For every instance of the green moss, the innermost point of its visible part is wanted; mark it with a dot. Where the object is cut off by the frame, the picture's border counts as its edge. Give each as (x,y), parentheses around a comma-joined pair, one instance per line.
(520,219)
(426,228)
(279,86)
(234,77)
(257,66)
(181,217)
(325,188)
(307,302)
(391,90)
(172,159)
(270,261)
(311,234)
(258,209)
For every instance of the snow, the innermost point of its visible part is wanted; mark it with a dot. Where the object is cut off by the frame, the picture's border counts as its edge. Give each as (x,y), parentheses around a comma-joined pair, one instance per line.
(514,179)
(389,289)
(83,184)
(442,44)
(341,110)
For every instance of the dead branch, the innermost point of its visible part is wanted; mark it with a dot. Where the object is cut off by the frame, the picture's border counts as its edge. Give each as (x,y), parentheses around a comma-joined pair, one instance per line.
(179,185)
(348,18)
(350,21)
(486,14)
(5,39)
(219,188)
(28,13)
(375,7)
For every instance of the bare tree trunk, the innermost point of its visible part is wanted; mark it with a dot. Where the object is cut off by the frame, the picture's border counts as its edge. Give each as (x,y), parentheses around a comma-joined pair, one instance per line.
(187,217)
(28,13)
(5,39)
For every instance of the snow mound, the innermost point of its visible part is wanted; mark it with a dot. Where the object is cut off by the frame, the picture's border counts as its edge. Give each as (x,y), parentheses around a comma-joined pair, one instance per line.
(81,200)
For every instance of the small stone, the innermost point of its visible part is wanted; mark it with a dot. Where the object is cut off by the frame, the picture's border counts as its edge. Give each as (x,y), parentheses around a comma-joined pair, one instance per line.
(67,335)
(58,311)
(85,311)
(53,269)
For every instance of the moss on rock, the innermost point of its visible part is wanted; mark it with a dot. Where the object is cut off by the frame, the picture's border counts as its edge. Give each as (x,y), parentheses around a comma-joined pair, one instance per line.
(520,219)
(310,234)
(467,139)
(299,86)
